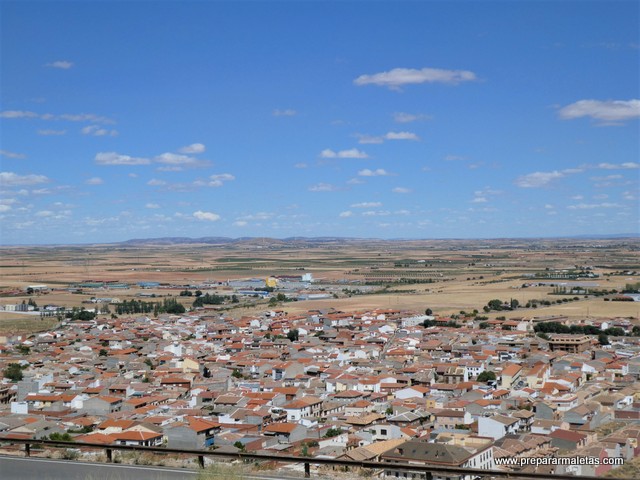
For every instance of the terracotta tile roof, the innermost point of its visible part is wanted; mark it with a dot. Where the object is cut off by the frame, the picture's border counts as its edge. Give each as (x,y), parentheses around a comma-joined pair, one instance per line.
(511,370)
(136,435)
(200,424)
(281,427)
(112,423)
(95,437)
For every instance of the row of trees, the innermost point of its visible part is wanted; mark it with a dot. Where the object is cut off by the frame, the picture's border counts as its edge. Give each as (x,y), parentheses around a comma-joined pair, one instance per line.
(80,314)
(556,327)
(214,299)
(498,305)
(168,305)
(433,323)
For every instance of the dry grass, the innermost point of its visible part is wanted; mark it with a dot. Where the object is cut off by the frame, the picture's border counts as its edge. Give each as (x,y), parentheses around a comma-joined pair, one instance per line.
(475,272)
(12,324)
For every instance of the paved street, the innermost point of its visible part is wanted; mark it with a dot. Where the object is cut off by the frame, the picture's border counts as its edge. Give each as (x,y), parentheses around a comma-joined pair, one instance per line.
(16,468)
(20,468)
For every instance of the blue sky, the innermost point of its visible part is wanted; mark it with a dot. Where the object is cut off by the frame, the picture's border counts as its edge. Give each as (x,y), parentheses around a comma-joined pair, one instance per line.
(380,119)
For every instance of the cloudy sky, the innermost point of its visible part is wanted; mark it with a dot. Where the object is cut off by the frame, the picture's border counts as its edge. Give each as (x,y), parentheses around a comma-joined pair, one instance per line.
(362,119)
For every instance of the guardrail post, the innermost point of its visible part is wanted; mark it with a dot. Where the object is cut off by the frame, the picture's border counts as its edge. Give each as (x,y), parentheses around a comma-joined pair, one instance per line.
(27,450)
(109,455)
(307,470)
(201,461)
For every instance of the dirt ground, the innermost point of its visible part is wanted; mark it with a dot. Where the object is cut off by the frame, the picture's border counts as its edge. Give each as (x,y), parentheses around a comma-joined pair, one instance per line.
(466,274)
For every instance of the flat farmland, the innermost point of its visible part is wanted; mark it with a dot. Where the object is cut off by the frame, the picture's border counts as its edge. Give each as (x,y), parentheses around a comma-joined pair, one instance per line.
(447,276)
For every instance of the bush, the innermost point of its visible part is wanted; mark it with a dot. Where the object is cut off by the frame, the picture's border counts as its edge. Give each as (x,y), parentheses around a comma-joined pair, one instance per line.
(13,372)
(486,376)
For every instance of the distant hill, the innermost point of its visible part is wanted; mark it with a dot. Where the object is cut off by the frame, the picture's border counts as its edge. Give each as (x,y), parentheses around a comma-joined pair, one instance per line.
(177,240)
(265,241)
(246,241)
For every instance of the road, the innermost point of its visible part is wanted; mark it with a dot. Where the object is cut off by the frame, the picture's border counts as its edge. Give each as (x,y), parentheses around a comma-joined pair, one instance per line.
(21,468)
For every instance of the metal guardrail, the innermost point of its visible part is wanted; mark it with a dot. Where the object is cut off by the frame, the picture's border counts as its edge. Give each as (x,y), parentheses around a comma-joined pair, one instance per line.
(427,470)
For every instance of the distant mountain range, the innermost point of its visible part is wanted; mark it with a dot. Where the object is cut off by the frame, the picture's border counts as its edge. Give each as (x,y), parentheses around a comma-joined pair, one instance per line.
(241,240)
(324,240)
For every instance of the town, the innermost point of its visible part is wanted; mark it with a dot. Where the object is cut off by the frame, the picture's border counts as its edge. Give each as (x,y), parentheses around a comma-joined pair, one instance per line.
(292,364)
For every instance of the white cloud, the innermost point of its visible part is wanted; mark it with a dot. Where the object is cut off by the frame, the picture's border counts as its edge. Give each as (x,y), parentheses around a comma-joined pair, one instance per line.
(215,180)
(152,205)
(154,182)
(22,225)
(398,77)
(379,172)
(193,148)
(301,165)
(369,139)
(351,153)
(588,206)
(258,217)
(453,158)
(401,117)
(346,214)
(70,117)
(113,158)
(208,216)
(621,166)
(607,178)
(486,192)
(40,191)
(175,159)
(322,187)
(62,64)
(170,168)
(4,208)
(18,114)
(97,131)
(610,111)
(366,205)
(401,190)
(366,139)
(379,213)
(50,132)
(10,179)
(401,136)
(355,181)
(94,181)
(8,154)
(44,213)
(537,179)
(284,113)
(81,117)
(223,177)
(479,200)
(240,223)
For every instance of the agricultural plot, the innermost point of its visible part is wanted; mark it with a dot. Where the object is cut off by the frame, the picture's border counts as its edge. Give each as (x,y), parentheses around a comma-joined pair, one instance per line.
(445,276)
